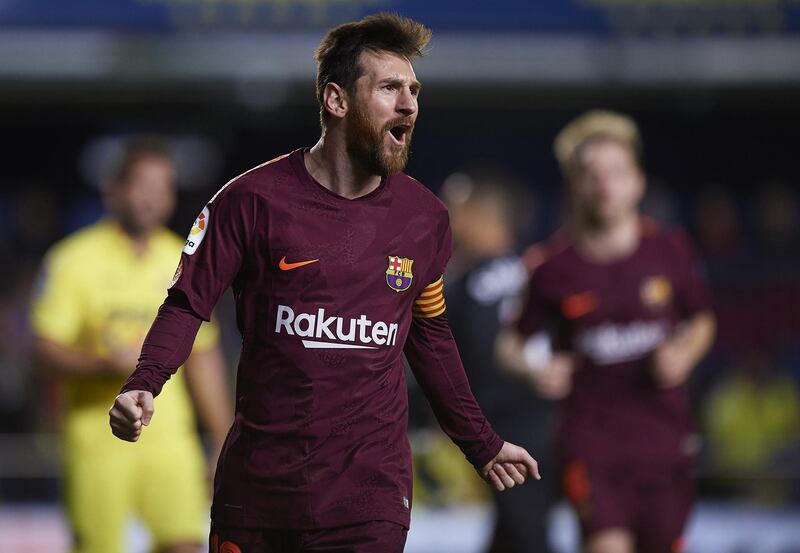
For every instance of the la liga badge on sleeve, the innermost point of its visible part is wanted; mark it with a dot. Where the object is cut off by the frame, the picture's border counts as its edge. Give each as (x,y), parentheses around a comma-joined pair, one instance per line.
(197,233)
(398,274)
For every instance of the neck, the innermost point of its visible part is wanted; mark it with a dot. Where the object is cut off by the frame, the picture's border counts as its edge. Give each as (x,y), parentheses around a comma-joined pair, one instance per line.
(330,165)
(608,242)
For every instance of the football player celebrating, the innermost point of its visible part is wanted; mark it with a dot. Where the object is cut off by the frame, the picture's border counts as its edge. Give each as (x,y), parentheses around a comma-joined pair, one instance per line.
(336,259)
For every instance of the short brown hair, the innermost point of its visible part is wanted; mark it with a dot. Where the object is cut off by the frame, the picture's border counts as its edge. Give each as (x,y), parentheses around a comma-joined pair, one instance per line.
(338,55)
(595,125)
(134,149)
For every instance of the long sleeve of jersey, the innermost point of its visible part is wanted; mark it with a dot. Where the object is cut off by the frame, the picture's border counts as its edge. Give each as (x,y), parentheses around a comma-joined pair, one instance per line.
(211,260)
(167,345)
(434,359)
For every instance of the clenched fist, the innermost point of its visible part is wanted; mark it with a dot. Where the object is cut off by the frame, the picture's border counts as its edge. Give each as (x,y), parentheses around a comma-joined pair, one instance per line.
(130,412)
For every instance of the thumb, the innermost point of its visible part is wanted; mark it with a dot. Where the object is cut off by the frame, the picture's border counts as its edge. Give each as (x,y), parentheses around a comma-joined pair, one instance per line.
(520,455)
(145,401)
(531,465)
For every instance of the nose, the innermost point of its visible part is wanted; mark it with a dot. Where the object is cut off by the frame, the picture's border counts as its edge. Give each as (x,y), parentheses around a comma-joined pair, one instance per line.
(407,102)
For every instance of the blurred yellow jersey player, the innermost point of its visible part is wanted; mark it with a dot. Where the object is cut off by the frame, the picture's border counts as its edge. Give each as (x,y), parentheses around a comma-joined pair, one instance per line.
(100,291)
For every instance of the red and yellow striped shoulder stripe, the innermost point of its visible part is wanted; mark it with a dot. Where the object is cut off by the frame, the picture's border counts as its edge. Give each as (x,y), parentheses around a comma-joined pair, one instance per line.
(430,302)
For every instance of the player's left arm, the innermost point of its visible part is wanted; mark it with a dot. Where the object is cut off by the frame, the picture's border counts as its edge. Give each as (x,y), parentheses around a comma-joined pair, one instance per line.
(434,359)
(206,378)
(676,357)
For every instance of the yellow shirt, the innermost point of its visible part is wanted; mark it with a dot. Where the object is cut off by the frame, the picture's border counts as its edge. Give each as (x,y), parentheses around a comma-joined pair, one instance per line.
(98,295)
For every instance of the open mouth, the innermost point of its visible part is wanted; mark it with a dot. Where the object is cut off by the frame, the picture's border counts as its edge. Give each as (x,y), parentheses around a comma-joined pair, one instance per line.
(400,133)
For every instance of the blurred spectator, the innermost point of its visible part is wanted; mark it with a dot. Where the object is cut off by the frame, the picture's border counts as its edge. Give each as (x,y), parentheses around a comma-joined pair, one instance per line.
(30,222)
(16,383)
(99,291)
(38,218)
(752,427)
(778,222)
(720,242)
(482,293)
(779,262)
(752,415)
(756,284)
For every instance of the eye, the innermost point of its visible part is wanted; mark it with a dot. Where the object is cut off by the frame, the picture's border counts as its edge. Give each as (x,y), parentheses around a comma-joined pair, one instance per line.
(390,86)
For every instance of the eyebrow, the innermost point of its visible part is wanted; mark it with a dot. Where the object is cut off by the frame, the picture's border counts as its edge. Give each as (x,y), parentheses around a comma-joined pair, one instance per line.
(400,80)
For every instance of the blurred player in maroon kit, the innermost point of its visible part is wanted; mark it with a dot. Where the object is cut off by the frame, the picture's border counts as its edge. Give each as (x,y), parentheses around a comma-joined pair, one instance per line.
(336,259)
(616,317)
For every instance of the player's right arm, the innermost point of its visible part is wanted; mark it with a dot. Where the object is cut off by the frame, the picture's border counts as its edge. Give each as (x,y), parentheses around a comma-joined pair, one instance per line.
(212,258)
(58,318)
(59,359)
(131,411)
(525,349)
(532,360)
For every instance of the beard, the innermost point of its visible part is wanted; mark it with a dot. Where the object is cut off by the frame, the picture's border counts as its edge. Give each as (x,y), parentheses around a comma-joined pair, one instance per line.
(365,144)
(135,226)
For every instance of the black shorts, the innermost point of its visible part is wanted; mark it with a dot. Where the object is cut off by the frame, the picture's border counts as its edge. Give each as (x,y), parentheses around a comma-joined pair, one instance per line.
(368,537)
(653,509)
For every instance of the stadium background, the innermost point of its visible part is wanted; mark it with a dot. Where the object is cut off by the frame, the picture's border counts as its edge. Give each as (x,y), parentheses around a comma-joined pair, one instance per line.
(714,85)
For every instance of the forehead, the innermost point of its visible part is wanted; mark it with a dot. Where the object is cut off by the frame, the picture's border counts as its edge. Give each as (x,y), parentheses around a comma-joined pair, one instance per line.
(605,149)
(386,65)
(150,163)
(147,171)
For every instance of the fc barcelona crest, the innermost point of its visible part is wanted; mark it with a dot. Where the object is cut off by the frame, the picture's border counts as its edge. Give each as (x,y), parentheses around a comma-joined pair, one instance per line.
(398,275)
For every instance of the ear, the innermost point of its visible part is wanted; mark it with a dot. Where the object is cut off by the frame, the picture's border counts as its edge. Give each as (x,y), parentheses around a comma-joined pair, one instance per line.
(109,193)
(334,100)
(642,184)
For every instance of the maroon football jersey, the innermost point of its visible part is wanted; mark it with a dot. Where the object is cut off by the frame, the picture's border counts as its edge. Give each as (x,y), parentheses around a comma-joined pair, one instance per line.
(329,291)
(614,315)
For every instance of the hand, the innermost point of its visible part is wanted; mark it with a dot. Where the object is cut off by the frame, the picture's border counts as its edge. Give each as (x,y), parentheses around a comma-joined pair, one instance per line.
(554,381)
(511,467)
(131,411)
(670,365)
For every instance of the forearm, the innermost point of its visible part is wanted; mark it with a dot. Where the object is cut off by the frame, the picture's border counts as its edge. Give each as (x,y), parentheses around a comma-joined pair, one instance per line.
(695,336)
(509,353)
(68,361)
(434,359)
(522,356)
(166,347)
(208,385)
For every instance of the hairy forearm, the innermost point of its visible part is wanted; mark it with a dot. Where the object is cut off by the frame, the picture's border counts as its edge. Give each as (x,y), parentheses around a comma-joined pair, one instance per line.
(208,385)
